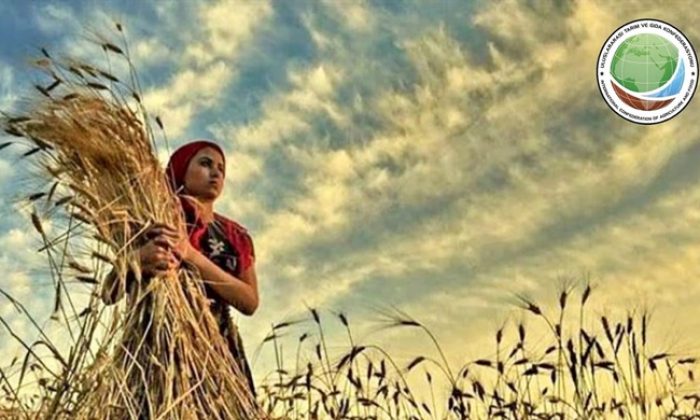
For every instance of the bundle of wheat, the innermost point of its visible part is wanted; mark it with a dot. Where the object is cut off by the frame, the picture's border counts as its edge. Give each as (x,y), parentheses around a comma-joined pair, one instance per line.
(160,354)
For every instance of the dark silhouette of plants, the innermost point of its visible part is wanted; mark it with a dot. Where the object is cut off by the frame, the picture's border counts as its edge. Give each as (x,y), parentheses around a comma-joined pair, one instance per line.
(584,366)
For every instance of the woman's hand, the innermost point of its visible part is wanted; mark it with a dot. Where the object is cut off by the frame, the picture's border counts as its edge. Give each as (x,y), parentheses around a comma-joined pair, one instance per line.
(156,257)
(176,242)
(162,251)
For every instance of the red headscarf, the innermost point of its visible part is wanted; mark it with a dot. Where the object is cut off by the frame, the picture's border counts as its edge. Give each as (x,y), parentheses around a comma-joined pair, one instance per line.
(180,160)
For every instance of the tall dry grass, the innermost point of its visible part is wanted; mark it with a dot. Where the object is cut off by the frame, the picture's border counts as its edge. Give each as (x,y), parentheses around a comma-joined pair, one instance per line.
(157,354)
(578,365)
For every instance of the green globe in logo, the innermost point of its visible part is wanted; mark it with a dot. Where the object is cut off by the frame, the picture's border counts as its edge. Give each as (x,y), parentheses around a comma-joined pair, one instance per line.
(644,62)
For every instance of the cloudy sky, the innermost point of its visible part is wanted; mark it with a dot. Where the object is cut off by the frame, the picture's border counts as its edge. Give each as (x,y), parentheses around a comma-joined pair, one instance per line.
(439,156)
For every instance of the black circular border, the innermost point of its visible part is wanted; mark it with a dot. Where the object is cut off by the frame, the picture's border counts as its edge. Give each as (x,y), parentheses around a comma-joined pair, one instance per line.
(597,75)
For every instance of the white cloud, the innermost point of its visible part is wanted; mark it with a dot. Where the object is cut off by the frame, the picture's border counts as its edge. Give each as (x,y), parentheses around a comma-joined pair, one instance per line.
(148,51)
(15,239)
(208,64)
(20,287)
(241,167)
(54,18)
(227,25)
(292,112)
(357,15)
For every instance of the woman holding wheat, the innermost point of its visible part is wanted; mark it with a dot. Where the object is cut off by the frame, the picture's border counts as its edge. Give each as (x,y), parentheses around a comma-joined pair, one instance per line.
(172,352)
(219,248)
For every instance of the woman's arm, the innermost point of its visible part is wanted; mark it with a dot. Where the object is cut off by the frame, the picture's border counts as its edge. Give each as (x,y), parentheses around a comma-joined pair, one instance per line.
(241,293)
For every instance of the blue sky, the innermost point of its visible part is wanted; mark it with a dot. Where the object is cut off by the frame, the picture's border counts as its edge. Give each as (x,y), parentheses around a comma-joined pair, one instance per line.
(435,155)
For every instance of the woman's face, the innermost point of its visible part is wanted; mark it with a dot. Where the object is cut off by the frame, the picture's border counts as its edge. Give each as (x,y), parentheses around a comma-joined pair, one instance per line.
(205,174)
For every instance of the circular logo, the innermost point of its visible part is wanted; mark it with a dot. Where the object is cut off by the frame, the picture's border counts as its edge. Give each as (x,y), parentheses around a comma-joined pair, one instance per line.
(647,71)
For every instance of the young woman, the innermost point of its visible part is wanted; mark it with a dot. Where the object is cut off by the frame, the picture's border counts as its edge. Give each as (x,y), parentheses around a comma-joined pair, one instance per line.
(221,249)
